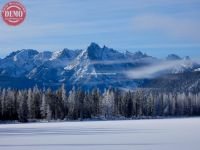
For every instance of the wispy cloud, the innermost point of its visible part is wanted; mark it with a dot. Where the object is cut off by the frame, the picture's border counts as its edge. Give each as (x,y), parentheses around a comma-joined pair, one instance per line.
(155,69)
(172,26)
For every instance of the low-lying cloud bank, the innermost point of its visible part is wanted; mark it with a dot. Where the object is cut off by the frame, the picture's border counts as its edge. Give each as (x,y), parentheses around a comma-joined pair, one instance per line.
(156,70)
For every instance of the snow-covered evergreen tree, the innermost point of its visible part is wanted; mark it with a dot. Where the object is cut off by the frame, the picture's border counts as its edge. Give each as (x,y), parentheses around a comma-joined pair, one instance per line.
(108,104)
(23,107)
(43,108)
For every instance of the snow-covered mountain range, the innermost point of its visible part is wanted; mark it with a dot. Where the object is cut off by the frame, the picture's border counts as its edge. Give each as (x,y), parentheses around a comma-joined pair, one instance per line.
(94,66)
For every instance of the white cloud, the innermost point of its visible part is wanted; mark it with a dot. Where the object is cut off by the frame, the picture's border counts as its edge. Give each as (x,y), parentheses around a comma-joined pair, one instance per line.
(171,26)
(153,70)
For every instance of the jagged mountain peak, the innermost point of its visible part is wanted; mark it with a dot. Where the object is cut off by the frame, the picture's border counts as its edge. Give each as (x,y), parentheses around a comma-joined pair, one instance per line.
(136,55)
(12,54)
(173,57)
(31,51)
(65,53)
(27,53)
(93,45)
(23,52)
(95,52)
(187,58)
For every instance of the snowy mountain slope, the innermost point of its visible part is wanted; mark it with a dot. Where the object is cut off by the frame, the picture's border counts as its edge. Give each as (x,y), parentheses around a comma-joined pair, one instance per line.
(18,63)
(52,69)
(44,66)
(94,66)
(42,57)
(187,81)
(103,66)
(181,65)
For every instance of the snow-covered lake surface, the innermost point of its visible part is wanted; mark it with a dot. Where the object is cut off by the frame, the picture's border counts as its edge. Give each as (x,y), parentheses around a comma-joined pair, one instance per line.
(164,134)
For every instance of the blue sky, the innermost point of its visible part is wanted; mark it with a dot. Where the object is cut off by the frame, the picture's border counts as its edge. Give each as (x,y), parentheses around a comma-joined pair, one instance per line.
(156,27)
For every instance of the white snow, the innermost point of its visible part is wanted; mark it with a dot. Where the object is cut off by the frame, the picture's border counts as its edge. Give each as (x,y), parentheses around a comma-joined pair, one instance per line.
(15,58)
(55,54)
(164,134)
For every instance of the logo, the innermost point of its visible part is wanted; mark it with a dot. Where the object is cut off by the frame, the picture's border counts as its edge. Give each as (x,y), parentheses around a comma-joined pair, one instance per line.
(13,13)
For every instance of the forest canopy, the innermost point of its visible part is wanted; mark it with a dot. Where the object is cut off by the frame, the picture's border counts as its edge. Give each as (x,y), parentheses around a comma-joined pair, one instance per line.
(30,104)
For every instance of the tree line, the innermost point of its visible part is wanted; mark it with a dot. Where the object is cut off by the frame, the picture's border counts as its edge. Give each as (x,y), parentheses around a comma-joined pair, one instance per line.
(24,105)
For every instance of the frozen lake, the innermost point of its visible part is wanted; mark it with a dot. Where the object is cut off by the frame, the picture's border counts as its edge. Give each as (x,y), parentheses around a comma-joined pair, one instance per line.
(164,134)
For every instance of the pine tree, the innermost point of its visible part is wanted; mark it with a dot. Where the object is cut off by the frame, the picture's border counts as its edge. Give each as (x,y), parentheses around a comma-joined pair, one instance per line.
(95,97)
(30,103)
(108,104)
(71,103)
(129,103)
(64,100)
(23,108)
(117,102)
(49,113)
(87,107)
(43,108)
(10,98)
(35,103)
